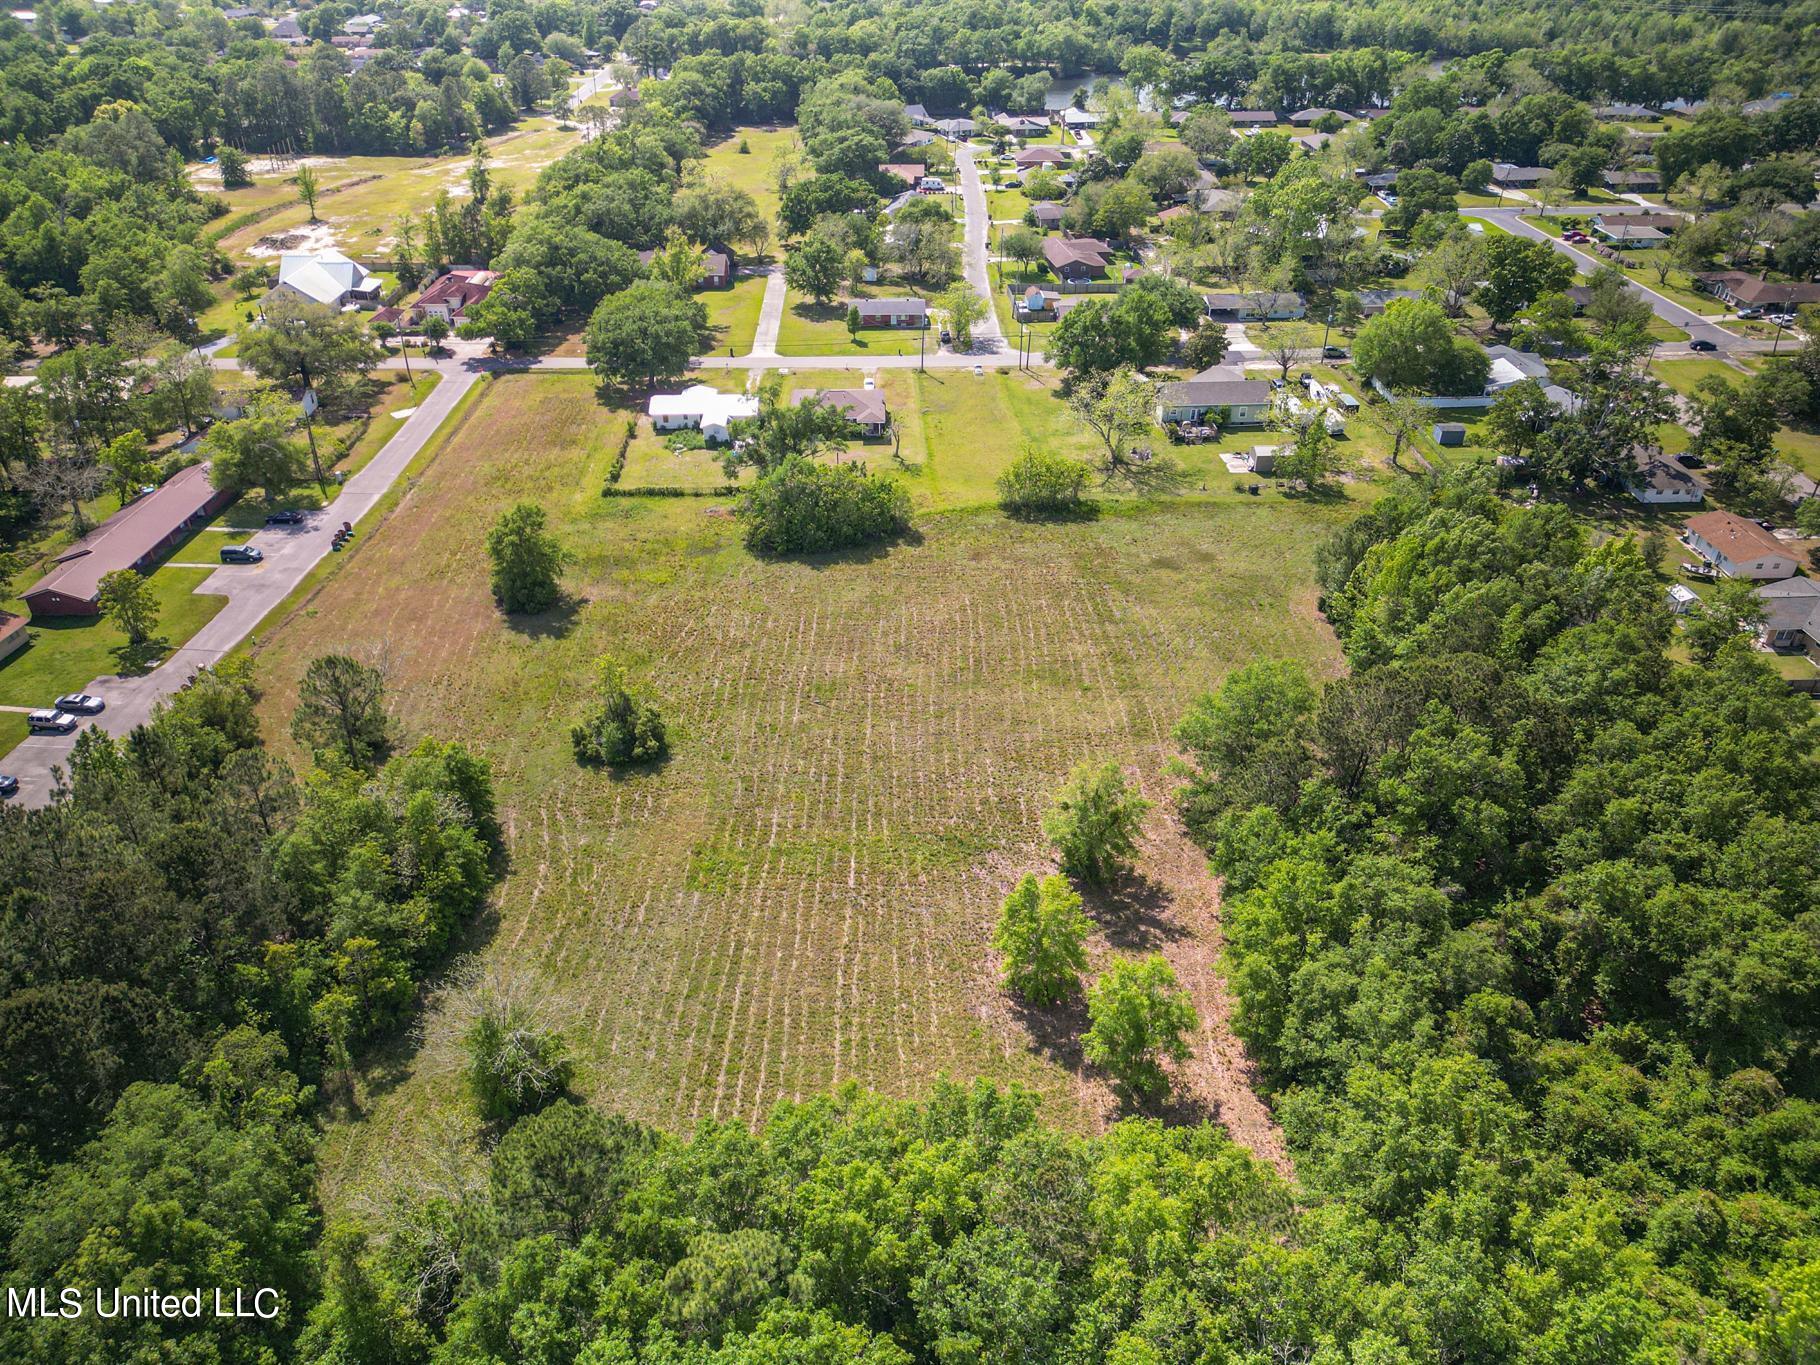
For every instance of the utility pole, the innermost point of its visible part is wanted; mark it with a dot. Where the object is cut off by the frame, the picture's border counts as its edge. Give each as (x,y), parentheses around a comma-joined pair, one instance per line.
(922,342)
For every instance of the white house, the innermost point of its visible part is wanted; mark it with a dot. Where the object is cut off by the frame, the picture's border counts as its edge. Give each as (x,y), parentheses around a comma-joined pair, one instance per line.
(1791,614)
(1738,548)
(1222,392)
(707,409)
(326,277)
(1658,482)
(362,24)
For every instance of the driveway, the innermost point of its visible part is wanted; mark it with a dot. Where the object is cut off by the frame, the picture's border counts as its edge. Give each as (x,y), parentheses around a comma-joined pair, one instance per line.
(252,591)
(988,336)
(770,314)
(1697,327)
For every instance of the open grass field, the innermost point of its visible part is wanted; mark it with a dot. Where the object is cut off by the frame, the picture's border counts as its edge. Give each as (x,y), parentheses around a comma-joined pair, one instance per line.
(375,191)
(811,328)
(1800,444)
(752,170)
(733,312)
(863,746)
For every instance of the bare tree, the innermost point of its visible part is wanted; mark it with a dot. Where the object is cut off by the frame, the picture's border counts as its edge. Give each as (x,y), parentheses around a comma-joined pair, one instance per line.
(1401,419)
(1281,345)
(69,477)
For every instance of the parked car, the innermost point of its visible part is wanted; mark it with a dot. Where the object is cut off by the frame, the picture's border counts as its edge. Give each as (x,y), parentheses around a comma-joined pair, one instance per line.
(1781,319)
(50,722)
(291,517)
(241,554)
(81,704)
(947,336)
(9,785)
(1334,353)
(1701,345)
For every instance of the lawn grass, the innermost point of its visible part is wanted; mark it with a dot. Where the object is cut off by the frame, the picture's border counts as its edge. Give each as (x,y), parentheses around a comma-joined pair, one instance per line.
(1800,444)
(862,750)
(811,328)
(362,216)
(752,170)
(733,312)
(1004,206)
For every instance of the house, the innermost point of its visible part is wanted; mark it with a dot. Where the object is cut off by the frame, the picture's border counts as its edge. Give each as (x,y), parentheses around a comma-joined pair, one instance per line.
(918,116)
(12,633)
(956,129)
(910,172)
(1508,177)
(1024,158)
(865,408)
(133,538)
(1036,304)
(448,297)
(1767,105)
(1682,599)
(892,312)
(1632,182)
(1222,392)
(1627,238)
(1744,290)
(1375,301)
(1307,118)
(1076,258)
(326,277)
(1253,118)
(716,266)
(919,138)
(1312,142)
(1210,198)
(1022,125)
(234,12)
(1510,366)
(1791,615)
(1738,548)
(1579,296)
(363,24)
(1259,306)
(1659,482)
(1075,120)
(1662,222)
(624,97)
(1617,113)
(286,31)
(1046,214)
(706,409)
(1378,181)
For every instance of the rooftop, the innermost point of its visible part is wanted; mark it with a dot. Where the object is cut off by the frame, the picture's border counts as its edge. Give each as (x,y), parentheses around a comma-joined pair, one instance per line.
(129,535)
(1734,537)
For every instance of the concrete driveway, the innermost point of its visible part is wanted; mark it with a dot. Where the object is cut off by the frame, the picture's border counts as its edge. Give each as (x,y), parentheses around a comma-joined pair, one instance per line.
(252,591)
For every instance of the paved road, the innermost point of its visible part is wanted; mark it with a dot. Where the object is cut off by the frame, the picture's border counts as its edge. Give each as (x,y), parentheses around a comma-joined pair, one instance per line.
(988,336)
(252,590)
(1697,327)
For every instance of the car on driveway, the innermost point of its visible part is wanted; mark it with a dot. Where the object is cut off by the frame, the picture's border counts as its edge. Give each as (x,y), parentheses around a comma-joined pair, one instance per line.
(291,517)
(9,785)
(81,704)
(1333,353)
(1701,345)
(241,554)
(50,722)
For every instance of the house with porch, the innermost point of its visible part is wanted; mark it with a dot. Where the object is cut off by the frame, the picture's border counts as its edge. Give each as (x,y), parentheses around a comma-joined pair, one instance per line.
(706,409)
(865,408)
(892,312)
(1738,548)
(1221,394)
(1076,259)
(1791,615)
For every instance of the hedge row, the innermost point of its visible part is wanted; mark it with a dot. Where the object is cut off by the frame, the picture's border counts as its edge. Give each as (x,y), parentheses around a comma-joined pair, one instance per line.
(625,443)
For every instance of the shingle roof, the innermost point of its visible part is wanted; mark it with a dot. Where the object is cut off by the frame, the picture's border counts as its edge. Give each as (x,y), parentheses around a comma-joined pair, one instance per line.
(129,535)
(1734,537)
(861,405)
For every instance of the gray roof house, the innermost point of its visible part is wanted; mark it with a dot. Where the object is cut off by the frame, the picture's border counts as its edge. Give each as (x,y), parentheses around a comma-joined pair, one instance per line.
(1223,392)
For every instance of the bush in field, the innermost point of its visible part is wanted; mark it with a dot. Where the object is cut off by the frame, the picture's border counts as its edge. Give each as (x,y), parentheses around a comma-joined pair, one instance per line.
(1139,1016)
(526,560)
(807,508)
(1041,934)
(516,1066)
(1040,483)
(1094,822)
(621,730)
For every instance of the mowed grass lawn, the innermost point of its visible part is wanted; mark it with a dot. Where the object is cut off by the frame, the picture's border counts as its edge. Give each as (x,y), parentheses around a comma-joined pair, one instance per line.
(733,313)
(1801,444)
(810,328)
(862,749)
(753,170)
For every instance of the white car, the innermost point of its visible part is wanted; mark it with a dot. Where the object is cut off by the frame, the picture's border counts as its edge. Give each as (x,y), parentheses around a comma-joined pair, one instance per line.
(50,722)
(81,704)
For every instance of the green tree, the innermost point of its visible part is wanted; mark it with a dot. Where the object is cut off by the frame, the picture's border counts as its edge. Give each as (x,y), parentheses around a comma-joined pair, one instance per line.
(1732,610)
(307,188)
(1517,273)
(620,730)
(804,508)
(516,1063)
(1041,935)
(126,598)
(1139,1016)
(256,450)
(965,308)
(526,560)
(1094,822)
(129,464)
(650,331)
(341,710)
(307,346)
(1412,346)
(1206,346)
(233,163)
(1311,458)
(813,267)
(435,329)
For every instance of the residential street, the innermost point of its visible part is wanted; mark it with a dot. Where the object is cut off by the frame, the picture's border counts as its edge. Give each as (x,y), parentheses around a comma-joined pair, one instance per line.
(988,336)
(252,590)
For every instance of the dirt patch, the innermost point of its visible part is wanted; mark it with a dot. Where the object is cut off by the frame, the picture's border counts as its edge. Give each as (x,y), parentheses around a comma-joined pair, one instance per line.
(315,237)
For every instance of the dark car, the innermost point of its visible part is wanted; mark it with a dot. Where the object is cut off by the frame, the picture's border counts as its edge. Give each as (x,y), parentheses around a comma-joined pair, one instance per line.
(1701,345)
(240,554)
(947,336)
(81,703)
(1333,353)
(288,518)
(9,785)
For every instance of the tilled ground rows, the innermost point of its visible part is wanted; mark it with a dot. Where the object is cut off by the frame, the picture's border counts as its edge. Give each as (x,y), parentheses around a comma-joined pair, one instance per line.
(862,750)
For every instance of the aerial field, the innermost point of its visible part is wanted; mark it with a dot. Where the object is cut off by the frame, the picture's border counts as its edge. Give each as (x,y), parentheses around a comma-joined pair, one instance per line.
(364,196)
(753,170)
(862,748)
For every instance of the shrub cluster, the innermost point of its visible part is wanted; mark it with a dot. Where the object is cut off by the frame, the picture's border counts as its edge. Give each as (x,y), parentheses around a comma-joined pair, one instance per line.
(806,508)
